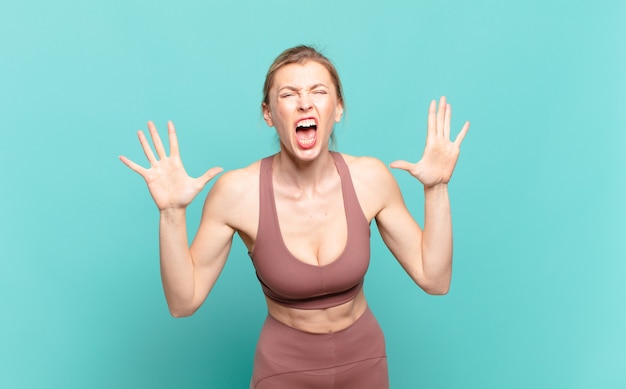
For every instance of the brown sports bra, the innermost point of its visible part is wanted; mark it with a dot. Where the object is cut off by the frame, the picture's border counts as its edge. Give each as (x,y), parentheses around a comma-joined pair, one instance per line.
(295,284)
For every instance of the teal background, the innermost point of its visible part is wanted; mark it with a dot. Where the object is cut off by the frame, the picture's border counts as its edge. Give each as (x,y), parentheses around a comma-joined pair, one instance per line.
(538,296)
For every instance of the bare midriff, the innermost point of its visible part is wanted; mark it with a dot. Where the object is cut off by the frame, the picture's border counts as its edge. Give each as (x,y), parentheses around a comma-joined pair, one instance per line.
(319,321)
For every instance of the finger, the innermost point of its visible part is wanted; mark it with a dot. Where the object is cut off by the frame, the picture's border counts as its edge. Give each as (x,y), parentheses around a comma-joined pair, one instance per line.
(146,147)
(156,139)
(441,111)
(171,132)
(446,121)
(461,136)
(432,118)
(209,174)
(136,168)
(403,165)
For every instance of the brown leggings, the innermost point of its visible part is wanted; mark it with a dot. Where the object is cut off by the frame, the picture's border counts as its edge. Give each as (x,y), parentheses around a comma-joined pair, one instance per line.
(351,358)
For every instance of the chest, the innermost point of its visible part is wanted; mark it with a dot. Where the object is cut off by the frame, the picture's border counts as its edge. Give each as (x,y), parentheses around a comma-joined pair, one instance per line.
(313,228)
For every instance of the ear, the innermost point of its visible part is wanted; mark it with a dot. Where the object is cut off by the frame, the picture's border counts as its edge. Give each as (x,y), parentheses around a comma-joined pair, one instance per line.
(267,115)
(339,113)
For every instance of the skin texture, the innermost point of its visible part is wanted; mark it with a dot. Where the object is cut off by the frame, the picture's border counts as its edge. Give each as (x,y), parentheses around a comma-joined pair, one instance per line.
(308,200)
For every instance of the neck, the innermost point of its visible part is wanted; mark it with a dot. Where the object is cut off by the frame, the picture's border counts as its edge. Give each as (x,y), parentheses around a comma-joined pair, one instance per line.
(303,175)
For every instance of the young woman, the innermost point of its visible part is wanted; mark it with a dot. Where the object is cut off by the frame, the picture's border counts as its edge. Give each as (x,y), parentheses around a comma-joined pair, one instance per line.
(304,215)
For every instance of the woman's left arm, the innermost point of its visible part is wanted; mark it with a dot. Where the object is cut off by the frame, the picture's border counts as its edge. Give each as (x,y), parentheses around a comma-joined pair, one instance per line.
(426,255)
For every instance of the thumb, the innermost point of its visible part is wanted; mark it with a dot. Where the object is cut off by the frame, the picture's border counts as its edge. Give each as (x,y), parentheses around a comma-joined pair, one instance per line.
(209,174)
(404,165)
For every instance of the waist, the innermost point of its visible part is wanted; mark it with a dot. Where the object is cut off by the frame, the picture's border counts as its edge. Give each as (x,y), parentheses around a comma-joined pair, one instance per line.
(319,321)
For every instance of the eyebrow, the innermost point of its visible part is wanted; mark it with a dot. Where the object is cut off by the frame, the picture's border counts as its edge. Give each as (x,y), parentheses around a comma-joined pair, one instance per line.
(294,88)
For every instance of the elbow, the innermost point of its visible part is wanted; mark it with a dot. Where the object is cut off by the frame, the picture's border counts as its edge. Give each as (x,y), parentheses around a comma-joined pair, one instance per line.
(438,291)
(181,306)
(180,312)
(438,288)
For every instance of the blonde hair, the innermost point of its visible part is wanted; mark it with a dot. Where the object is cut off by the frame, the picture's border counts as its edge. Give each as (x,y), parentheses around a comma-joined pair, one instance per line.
(300,54)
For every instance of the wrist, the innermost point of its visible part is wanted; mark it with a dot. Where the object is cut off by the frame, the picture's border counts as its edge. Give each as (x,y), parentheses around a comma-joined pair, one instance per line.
(436,188)
(172,212)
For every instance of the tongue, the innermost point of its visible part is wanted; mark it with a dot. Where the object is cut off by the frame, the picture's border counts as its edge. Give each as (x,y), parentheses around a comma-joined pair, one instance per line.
(306,137)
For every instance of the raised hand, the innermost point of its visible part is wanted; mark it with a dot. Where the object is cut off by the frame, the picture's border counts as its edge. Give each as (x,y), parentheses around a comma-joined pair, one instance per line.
(440,154)
(169,184)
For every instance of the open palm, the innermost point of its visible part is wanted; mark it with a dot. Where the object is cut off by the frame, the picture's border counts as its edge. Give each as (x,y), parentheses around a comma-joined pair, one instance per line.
(440,153)
(169,184)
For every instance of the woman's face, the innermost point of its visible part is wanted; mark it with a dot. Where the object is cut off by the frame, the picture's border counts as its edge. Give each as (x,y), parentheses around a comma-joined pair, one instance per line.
(303,107)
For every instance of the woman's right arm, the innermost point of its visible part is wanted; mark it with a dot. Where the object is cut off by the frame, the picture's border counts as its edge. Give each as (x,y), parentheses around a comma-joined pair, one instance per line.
(187,279)
(188,274)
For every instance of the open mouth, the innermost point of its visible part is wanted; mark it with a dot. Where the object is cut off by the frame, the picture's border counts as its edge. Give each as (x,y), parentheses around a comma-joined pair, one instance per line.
(306,133)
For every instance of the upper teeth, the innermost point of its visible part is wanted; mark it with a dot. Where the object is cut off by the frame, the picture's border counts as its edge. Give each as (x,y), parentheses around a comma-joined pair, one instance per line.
(306,123)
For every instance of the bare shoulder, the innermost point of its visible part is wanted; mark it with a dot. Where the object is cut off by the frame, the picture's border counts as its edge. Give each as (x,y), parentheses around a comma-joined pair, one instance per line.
(369,171)
(238,181)
(373,182)
(234,197)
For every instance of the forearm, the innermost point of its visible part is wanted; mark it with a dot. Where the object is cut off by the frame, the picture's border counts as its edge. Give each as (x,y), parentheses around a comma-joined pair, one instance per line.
(177,268)
(437,239)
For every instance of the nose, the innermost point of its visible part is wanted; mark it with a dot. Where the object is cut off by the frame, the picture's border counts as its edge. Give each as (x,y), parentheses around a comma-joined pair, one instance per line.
(304,102)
